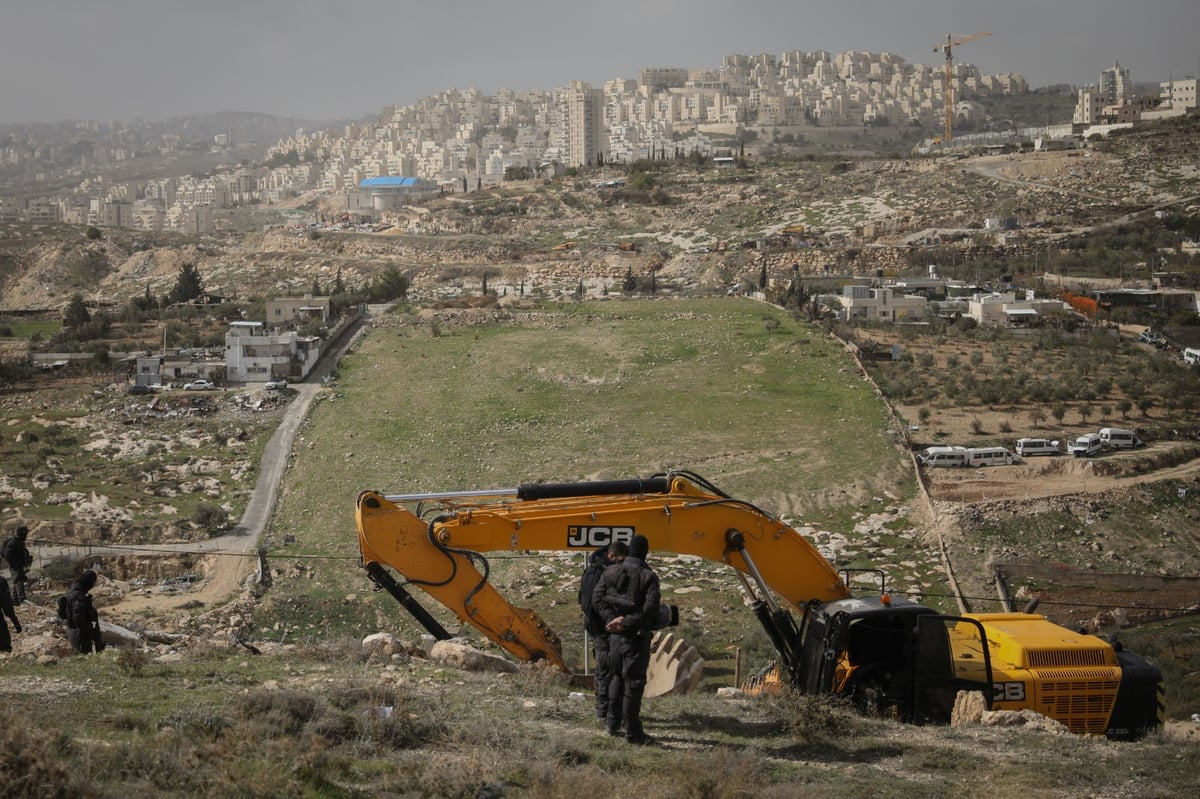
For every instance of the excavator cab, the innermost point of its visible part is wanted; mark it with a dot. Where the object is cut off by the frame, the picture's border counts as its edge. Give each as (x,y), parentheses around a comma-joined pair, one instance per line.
(890,657)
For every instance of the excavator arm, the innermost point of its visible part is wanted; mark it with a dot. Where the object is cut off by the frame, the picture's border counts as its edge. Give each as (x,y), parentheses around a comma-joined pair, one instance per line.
(435,542)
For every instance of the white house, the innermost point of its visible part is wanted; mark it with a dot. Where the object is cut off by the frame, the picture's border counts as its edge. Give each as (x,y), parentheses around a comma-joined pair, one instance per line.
(882,304)
(254,355)
(1003,309)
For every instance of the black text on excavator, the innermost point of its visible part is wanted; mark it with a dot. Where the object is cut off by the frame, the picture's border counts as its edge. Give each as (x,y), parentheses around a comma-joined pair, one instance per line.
(887,654)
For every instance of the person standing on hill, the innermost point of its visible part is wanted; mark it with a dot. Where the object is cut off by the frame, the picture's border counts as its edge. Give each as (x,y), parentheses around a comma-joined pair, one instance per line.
(593,622)
(83,625)
(7,609)
(16,553)
(629,599)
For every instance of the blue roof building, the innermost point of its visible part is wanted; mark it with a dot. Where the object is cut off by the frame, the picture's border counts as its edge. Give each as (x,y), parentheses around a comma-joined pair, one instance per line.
(389,191)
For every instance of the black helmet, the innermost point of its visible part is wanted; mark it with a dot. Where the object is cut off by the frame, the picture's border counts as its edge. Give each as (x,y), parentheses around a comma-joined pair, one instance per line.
(22,531)
(87,580)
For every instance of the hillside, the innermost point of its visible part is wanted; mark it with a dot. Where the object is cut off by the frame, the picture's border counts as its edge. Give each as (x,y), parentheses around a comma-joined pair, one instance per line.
(446,394)
(702,225)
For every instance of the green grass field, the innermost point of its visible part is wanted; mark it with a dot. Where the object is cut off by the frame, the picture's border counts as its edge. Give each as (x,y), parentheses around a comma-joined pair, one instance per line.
(770,410)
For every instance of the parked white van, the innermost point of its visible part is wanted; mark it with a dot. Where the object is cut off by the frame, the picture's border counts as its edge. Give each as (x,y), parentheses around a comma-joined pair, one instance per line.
(1086,446)
(990,456)
(1027,447)
(1117,438)
(944,456)
(1191,356)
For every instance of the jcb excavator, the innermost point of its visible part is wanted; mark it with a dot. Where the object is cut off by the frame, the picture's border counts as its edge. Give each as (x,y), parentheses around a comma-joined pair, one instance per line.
(886,653)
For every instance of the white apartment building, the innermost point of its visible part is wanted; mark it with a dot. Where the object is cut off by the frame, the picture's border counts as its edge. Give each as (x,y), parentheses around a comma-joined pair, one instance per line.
(587,143)
(1116,87)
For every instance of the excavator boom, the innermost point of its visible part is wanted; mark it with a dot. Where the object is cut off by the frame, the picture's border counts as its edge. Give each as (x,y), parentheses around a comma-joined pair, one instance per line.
(434,541)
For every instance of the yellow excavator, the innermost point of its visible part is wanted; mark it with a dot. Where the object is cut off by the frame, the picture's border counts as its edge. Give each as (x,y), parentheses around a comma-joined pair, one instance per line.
(887,654)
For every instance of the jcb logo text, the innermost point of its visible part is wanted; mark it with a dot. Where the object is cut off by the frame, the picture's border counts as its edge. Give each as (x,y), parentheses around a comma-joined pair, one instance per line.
(1008,692)
(597,536)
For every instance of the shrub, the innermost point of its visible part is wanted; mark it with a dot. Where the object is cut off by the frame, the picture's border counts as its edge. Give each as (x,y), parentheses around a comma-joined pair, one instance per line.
(210,517)
(32,763)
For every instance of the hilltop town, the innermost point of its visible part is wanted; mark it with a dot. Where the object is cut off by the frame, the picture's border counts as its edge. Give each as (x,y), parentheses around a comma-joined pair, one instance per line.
(463,140)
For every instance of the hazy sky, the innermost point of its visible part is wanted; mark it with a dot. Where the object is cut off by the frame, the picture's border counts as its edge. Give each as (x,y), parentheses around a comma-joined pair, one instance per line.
(123,59)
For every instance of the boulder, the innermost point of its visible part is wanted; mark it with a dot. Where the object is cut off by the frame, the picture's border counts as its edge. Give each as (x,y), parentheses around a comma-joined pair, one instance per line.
(1023,718)
(461,656)
(969,707)
(384,644)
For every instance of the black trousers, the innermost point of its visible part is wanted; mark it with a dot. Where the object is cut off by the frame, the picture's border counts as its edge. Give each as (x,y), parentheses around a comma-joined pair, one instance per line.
(601,647)
(630,656)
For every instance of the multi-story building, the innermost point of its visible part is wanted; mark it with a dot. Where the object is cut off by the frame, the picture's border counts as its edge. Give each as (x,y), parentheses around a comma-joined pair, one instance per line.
(587,144)
(1179,95)
(1088,106)
(253,355)
(1115,86)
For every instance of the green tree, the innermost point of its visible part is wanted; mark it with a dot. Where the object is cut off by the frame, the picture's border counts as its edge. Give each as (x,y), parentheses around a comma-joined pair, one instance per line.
(1058,410)
(93,233)
(76,314)
(391,285)
(188,284)
(338,286)
(629,285)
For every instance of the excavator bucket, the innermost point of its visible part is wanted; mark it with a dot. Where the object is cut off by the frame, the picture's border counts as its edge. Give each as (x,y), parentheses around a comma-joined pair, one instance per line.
(675,666)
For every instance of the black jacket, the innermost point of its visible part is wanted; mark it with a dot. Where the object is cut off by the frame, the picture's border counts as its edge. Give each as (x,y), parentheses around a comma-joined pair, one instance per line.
(593,622)
(17,554)
(81,613)
(629,589)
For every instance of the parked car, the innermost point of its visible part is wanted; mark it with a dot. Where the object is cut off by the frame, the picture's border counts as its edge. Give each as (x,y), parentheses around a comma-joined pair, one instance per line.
(275,385)
(199,385)
(138,388)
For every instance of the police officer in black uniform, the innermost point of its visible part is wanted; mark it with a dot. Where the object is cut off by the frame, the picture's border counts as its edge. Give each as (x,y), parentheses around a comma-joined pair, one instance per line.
(629,600)
(83,625)
(593,622)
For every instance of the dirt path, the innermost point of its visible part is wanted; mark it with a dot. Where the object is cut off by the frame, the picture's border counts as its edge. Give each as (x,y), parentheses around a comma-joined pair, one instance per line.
(233,557)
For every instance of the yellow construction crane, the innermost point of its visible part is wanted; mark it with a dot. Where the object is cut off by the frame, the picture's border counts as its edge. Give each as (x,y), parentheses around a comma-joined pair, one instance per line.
(948,88)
